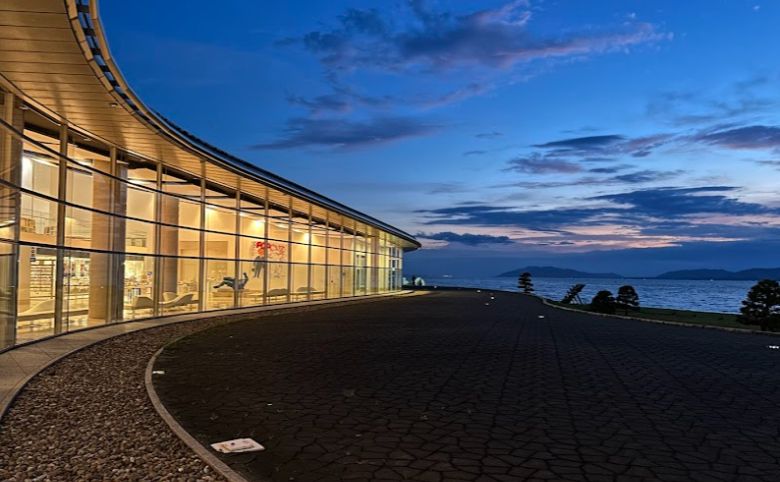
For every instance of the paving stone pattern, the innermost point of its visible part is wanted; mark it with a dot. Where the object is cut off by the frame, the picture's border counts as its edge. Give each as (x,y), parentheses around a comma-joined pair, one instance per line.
(445,387)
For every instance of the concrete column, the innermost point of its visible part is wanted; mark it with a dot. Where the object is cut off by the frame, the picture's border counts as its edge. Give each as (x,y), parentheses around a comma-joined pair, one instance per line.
(100,263)
(10,171)
(169,244)
(119,232)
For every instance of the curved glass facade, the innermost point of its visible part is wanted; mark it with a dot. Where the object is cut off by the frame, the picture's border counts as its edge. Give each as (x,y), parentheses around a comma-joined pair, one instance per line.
(92,234)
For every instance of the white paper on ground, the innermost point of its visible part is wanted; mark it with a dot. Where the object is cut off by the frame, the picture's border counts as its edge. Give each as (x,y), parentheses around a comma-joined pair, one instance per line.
(238,445)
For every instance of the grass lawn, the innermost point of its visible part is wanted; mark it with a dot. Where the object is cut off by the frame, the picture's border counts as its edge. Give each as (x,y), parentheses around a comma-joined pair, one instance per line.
(680,316)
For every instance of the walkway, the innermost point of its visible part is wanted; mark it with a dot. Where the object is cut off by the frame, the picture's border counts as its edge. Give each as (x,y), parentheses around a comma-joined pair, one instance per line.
(456,386)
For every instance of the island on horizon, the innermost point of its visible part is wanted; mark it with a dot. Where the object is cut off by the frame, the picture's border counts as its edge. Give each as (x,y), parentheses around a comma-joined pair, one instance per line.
(751,274)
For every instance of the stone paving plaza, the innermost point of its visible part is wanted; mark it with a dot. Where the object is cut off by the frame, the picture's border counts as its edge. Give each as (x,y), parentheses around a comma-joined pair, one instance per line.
(445,387)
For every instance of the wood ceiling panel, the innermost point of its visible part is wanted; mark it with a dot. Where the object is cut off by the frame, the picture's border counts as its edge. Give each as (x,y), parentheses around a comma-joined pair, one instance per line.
(41,57)
(45,79)
(33,68)
(34,19)
(12,32)
(55,96)
(51,6)
(91,88)
(19,45)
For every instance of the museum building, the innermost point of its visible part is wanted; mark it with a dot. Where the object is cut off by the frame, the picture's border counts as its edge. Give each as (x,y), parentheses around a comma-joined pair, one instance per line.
(109,212)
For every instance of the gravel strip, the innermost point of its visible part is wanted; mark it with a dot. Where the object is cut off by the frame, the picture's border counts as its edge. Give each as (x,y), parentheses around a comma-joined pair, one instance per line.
(88,417)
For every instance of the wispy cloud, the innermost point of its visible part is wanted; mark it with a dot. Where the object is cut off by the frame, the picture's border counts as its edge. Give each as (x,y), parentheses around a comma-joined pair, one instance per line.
(489,44)
(539,164)
(496,38)
(489,135)
(742,137)
(746,99)
(345,134)
(637,177)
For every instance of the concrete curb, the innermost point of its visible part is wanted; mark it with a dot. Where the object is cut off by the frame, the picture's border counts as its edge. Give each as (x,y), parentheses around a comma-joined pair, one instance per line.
(204,453)
(744,331)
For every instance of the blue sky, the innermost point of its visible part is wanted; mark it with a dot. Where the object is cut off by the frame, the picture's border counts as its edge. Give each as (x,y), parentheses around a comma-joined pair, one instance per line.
(625,136)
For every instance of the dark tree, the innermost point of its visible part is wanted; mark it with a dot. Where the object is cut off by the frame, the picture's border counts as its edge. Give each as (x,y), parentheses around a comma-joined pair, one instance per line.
(603,302)
(627,298)
(762,305)
(524,283)
(573,294)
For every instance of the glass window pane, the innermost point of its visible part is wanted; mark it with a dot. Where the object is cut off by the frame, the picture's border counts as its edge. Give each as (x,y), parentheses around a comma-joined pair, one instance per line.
(317,282)
(38,220)
(334,281)
(299,253)
(179,241)
(300,282)
(346,281)
(87,229)
(35,303)
(86,289)
(252,294)
(278,291)
(139,237)
(138,286)
(318,255)
(9,197)
(221,283)
(179,285)
(220,219)
(40,172)
(220,245)
(7,295)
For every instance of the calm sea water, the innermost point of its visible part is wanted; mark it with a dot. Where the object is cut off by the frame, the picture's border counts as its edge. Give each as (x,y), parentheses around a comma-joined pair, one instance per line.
(718,296)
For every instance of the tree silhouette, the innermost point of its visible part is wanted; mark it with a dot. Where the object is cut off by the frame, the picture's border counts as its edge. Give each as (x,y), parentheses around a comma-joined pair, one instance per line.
(627,298)
(524,283)
(603,302)
(573,294)
(762,305)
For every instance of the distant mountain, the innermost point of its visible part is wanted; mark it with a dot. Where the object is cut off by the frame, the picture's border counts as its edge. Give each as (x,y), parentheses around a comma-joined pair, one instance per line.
(553,272)
(754,274)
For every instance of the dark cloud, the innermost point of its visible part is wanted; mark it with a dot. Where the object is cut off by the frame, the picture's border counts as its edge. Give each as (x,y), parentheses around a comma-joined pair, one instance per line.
(538,164)
(583,143)
(662,210)
(344,134)
(605,146)
(610,169)
(476,152)
(488,215)
(466,238)
(568,155)
(670,202)
(640,177)
(742,137)
(493,38)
